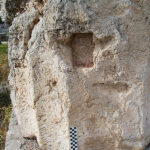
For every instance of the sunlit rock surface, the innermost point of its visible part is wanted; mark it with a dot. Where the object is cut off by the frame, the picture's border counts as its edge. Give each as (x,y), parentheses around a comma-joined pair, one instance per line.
(83,64)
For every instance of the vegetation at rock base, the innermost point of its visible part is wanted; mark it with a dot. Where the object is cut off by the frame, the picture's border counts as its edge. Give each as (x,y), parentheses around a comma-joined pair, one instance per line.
(5,113)
(3,62)
(5,103)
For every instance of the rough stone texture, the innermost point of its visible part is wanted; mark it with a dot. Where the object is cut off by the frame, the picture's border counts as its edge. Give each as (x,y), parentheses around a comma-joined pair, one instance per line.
(10,8)
(2,9)
(82,63)
(14,139)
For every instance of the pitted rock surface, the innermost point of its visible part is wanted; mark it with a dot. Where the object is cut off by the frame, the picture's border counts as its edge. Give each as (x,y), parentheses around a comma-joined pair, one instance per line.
(83,64)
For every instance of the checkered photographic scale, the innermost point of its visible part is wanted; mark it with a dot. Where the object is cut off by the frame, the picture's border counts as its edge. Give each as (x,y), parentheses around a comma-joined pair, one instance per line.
(73,138)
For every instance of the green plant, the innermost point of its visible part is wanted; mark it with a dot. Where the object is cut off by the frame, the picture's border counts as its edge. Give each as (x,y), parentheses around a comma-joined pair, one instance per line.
(5,113)
(5,102)
(3,54)
(4,123)
(3,49)
(3,62)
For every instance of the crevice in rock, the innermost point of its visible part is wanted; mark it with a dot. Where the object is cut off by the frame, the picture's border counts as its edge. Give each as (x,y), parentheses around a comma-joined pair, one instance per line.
(27,38)
(18,65)
(52,83)
(40,1)
(29,143)
(30,138)
(119,86)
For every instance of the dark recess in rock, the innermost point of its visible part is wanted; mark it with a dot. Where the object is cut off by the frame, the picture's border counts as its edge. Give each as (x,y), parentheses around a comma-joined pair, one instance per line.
(12,7)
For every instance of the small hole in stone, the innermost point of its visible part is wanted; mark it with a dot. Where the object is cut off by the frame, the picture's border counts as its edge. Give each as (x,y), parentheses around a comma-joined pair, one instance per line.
(54,83)
(82,49)
(106,41)
(40,1)
(30,138)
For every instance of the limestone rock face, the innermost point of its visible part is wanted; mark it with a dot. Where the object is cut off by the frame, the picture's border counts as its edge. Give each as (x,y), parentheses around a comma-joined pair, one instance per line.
(83,64)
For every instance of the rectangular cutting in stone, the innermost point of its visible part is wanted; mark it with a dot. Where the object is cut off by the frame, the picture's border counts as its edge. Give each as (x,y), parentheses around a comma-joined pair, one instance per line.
(82,49)
(73,138)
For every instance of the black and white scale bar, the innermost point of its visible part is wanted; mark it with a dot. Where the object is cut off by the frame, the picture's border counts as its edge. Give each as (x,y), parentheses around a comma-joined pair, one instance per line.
(73,138)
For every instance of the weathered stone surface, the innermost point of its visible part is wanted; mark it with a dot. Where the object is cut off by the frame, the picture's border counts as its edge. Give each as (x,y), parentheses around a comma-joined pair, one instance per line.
(10,8)
(82,63)
(15,140)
